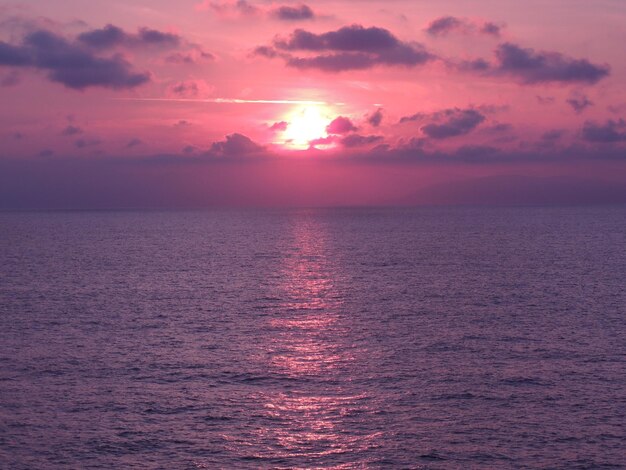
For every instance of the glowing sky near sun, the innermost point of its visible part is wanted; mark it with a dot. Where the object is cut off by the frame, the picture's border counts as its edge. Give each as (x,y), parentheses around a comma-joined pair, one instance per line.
(446,89)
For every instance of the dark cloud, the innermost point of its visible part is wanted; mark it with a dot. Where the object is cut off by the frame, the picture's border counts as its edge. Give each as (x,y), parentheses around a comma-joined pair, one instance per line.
(447,123)
(357,140)
(240,7)
(552,135)
(353,38)
(491,29)
(235,145)
(71,130)
(134,143)
(180,58)
(443,25)
(610,132)
(157,38)
(340,125)
(113,36)
(375,118)
(456,122)
(579,103)
(14,55)
(70,64)
(291,13)
(279,126)
(348,48)
(189,88)
(83,143)
(538,67)
(500,127)
(447,24)
(265,51)
(545,99)
(189,58)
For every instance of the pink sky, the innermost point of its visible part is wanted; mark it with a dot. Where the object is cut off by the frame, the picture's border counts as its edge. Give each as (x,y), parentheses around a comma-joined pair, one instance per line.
(196,103)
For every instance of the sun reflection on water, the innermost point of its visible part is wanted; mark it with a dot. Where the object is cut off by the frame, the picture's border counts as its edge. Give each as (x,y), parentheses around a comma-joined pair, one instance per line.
(311,347)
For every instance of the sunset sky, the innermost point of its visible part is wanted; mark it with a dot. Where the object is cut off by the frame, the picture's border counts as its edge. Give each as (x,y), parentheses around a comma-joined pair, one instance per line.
(200,103)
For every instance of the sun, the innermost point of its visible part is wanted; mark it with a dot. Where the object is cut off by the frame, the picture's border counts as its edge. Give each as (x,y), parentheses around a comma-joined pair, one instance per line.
(305,124)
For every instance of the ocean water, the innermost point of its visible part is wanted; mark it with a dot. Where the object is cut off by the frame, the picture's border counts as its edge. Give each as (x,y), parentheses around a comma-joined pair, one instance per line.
(346,338)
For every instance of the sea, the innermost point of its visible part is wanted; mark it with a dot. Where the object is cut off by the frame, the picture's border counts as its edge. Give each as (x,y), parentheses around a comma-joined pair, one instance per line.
(412,338)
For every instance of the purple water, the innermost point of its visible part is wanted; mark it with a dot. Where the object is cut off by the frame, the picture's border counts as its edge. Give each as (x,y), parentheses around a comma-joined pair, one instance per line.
(418,338)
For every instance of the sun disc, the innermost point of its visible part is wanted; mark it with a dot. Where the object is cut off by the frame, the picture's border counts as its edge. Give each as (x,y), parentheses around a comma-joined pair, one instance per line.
(304,125)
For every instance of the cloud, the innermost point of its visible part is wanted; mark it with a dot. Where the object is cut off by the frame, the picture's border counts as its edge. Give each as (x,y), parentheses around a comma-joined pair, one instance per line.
(375,118)
(69,63)
(491,29)
(291,13)
(235,145)
(447,24)
(545,99)
(71,130)
(279,126)
(349,48)
(340,125)
(134,143)
(610,132)
(239,7)
(540,67)
(357,140)
(552,135)
(83,143)
(245,9)
(112,36)
(328,140)
(448,123)
(14,55)
(189,89)
(579,103)
(189,58)
(443,25)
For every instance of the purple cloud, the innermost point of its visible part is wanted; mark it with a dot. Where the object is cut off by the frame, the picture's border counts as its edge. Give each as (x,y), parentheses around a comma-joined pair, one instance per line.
(609,132)
(71,130)
(579,103)
(491,29)
(538,67)
(552,135)
(447,24)
(443,25)
(279,126)
(235,145)
(357,140)
(134,143)
(70,64)
(448,123)
(340,125)
(83,143)
(348,48)
(113,36)
(291,13)
(375,118)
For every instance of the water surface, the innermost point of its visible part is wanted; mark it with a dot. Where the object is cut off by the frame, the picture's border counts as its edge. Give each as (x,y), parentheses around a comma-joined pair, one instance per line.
(347,338)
